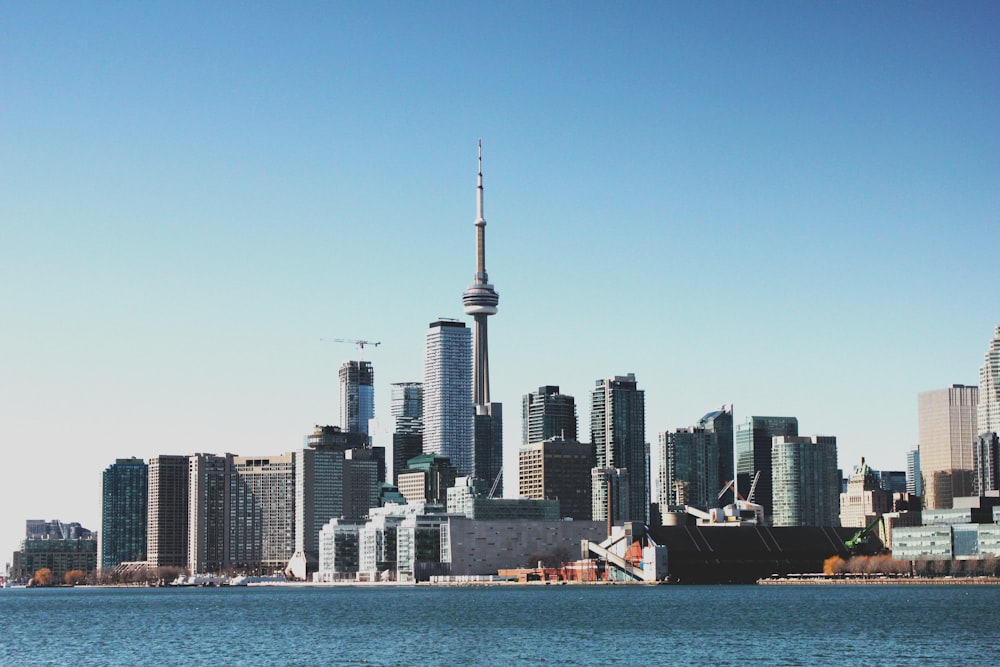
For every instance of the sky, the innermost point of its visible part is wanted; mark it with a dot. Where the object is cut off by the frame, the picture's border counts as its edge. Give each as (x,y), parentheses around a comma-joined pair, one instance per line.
(790,207)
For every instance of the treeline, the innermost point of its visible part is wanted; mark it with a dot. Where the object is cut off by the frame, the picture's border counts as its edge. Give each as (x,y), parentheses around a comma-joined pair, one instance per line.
(885,564)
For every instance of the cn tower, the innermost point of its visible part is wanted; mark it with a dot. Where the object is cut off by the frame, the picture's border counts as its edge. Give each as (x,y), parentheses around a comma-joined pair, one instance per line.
(480,301)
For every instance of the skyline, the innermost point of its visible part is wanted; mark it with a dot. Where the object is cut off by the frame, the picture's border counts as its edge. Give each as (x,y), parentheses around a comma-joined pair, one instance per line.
(780,208)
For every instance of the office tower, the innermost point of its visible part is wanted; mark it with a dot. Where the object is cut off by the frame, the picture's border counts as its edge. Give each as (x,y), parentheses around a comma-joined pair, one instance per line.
(361,480)
(609,490)
(986,463)
(167,522)
(988,409)
(947,429)
(719,425)
(618,434)
(558,469)
(806,481)
(408,437)
(448,407)
(865,498)
(124,496)
(480,300)
(208,512)
(688,468)
(547,413)
(262,526)
(426,478)
(913,472)
(357,396)
(319,493)
(753,455)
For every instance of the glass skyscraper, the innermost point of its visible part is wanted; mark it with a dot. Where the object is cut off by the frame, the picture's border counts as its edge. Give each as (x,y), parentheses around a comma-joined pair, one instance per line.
(357,396)
(123,512)
(448,406)
(805,481)
(988,410)
(753,455)
(547,413)
(618,434)
(408,437)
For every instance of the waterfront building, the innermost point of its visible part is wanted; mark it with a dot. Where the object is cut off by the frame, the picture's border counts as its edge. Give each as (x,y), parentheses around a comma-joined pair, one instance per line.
(470,497)
(377,542)
(618,434)
(947,427)
(718,424)
(548,413)
(805,481)
(407,407)
(753,441)
(263,511)
(558,469)
(319,494)
(168,511)
(988,408)
(687,468)
(418,546)
(913,472)
(986,463)
(74,549)
(448,406)
(865,499)
(480,301)
(427,478)
(339,549)
(124,494)
(357,396)
(362,468)
(208,512)
(609,491)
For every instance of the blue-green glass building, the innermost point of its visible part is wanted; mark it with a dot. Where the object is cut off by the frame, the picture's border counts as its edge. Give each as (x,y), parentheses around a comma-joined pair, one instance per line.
(123,512)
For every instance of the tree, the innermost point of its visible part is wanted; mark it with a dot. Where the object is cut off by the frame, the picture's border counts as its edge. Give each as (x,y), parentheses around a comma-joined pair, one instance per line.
(834,565)
(43,577)
(74,577)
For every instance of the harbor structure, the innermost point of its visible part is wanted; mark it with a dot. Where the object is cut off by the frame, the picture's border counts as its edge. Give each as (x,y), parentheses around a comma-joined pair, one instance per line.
(124,513)
(480,301)
(447,394)
(947,430)
(618,434)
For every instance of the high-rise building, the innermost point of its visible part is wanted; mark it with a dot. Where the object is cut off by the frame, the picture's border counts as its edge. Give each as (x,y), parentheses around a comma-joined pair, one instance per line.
(262,526)
(688,468)
(426,478)
(913,472)
(480,301)
(947,428)
(167,517)
(208,512)
(806,481)
(988,409)
(123,512)
(547,413)
(609,490)
(362,467)
(448,406)
(986,463)
(558,469)
(753,455)
(618,434)
(357,396)
(865,499)
(319,494)
(719,425)
(408,437)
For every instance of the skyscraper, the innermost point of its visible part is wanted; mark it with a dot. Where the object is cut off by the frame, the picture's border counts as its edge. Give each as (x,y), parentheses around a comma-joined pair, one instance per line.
(719,425)
(753,454)
(123,512)
(687,461)
(988,410)
(262,528)
(208,512)
(319,493)
(167,527)
(448,406)
(913,472)
(357,396)
(558,469)
(480,300)
(618,434)
(547,413)
(408,437)
(947,428)
(806,481)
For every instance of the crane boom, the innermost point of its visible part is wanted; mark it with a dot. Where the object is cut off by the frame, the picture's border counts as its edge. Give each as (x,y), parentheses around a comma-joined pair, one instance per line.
(360,343)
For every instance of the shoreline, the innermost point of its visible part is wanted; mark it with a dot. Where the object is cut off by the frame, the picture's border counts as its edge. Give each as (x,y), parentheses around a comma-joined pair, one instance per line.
(882,581)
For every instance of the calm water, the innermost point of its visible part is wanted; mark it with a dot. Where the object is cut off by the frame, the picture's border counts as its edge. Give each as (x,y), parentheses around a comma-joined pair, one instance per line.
(555,625)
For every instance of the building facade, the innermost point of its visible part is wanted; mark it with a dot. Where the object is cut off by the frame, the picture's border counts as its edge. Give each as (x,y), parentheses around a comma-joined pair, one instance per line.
(988,407)
(986,463)
(865,498)
(687,468)
(407,406)
(448,406)
(618,434)
(913,484)
(947,427)
(548,413)
(558,469)
(262,526)
(719,425)
(124,512)
(806,481)
(168,511)
(753,454)
(319,494)
(357,396)
(427,478)
(208,512)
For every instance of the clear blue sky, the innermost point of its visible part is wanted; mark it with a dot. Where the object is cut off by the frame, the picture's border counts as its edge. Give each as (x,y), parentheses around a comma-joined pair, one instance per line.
(791,207)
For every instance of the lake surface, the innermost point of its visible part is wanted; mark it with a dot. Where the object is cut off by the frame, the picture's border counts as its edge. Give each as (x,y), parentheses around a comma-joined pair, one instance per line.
(503,625)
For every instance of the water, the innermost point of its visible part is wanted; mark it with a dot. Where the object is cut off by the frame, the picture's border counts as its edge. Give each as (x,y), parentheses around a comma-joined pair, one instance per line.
(502,625)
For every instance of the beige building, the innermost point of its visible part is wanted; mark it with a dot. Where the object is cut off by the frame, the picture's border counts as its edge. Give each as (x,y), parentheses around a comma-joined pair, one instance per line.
(558,469)
(865,500)
(947,422)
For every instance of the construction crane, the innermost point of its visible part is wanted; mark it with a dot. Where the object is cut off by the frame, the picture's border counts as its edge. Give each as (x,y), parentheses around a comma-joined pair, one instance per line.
(360,343)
